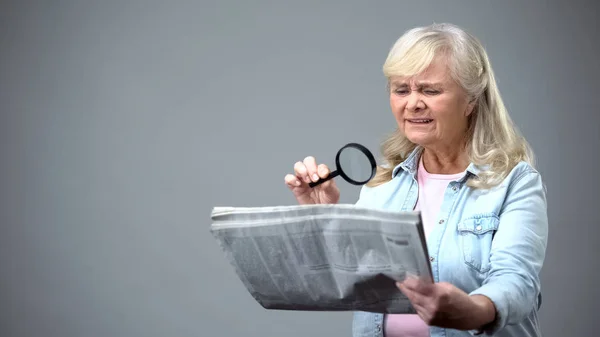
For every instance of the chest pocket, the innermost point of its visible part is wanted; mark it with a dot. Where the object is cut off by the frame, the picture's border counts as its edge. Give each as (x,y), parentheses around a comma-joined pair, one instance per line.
(475,236)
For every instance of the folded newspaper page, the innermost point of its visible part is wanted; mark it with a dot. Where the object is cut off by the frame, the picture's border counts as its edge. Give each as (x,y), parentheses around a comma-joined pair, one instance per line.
(323,257)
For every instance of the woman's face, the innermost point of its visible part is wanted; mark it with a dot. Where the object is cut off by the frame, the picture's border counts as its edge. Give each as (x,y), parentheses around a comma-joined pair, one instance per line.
(431,109)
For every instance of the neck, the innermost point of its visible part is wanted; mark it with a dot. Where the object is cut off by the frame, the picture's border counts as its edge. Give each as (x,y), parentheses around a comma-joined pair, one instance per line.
(449,160)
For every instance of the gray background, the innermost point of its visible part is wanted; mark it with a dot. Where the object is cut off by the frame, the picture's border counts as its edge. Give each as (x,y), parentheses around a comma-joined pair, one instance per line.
(123,123)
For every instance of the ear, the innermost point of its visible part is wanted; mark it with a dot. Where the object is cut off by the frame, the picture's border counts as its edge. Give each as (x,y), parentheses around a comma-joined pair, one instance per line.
(470,107)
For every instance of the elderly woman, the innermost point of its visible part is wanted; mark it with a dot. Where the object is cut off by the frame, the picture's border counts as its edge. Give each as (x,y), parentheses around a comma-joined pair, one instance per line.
(458,159)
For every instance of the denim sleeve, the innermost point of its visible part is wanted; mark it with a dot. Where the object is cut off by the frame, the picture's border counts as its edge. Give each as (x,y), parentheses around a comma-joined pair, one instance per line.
(517,253)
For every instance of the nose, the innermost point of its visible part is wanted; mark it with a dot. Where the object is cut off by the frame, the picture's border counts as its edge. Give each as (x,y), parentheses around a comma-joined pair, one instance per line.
(414,102)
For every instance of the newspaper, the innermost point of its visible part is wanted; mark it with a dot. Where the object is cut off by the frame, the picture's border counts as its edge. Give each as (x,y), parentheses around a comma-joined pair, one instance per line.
(323,257)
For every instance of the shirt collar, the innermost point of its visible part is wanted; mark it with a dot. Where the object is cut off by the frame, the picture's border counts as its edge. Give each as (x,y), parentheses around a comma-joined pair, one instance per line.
(411,163)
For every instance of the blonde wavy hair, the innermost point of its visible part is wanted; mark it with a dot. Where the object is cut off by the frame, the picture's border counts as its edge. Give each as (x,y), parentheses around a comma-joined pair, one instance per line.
(494,143)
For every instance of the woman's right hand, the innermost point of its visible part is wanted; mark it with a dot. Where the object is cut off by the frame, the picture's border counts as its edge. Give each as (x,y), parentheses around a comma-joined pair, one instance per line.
(305,172)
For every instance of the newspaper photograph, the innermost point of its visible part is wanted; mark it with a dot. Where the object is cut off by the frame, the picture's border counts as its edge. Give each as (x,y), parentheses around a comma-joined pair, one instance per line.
(323,257)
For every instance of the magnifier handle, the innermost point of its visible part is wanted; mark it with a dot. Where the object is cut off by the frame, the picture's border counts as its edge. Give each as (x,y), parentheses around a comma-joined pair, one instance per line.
(331,175)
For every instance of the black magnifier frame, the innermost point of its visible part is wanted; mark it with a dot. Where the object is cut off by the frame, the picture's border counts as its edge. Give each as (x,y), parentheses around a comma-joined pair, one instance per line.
(339,170)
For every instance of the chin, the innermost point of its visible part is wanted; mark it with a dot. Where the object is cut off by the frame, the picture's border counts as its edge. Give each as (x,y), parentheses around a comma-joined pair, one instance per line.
(419,139)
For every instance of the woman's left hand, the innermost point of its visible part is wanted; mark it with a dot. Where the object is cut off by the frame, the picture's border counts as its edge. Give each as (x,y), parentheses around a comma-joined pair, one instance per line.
(444,305)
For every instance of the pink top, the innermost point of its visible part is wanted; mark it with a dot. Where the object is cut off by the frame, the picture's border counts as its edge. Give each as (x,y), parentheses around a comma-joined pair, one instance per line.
(431,195)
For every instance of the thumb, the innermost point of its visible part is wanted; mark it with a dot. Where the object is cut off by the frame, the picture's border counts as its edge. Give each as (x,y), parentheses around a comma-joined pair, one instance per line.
(323,171)
(416,284)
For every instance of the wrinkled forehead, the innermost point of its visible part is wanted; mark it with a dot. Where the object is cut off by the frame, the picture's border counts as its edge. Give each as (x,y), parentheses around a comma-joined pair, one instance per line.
(421,80)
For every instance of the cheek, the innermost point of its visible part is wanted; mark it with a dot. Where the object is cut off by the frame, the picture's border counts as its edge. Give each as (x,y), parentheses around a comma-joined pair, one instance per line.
(442,109)
(437,105)
(397,106)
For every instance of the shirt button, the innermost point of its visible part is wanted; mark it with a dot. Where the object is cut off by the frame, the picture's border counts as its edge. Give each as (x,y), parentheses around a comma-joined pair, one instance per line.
(431,258)
(454,188)
(441,221)
(378,328)
(478,227)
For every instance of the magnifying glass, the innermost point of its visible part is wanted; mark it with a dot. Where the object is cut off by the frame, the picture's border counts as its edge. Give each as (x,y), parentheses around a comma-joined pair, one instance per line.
(355,163)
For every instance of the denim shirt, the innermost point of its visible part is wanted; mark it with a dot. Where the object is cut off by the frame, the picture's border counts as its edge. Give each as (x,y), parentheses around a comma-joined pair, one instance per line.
(490,242)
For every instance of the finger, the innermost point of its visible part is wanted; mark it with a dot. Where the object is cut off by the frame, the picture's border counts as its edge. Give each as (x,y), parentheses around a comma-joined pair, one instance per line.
(423,313)
(323,171)
(301,172)
(411,282)
(421,303)
(417,285)
(421,310)
(414,297)
(292,181)
(313,170)
(405,290)
(311,166)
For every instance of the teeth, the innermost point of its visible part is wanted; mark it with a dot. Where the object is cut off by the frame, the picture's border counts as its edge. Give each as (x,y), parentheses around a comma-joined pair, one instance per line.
(421,120)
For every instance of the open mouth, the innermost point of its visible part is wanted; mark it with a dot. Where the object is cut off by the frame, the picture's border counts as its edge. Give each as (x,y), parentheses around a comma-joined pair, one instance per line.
(420,121)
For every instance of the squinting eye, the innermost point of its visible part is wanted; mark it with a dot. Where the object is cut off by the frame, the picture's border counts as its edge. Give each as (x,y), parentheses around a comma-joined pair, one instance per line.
(401,91)
(432,92)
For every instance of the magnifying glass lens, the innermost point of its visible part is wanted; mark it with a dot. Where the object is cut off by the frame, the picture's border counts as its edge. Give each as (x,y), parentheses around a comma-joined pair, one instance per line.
(355,164)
